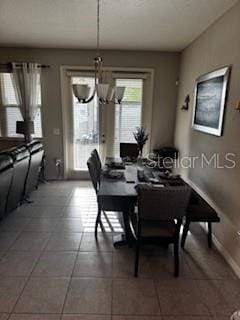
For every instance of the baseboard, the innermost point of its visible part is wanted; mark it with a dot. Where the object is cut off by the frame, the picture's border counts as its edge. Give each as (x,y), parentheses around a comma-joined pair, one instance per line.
(227,256)
(221,249)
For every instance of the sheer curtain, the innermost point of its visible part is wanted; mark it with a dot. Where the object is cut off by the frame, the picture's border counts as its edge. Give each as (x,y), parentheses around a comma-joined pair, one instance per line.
(25,77)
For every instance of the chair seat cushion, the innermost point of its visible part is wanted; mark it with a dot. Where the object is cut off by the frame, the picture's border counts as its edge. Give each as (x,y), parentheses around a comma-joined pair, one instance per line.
(163,229)
(201,212)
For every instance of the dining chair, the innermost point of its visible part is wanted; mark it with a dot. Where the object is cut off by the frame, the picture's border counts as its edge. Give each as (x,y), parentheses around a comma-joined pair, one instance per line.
(159,218)
(97,160)
(95,176)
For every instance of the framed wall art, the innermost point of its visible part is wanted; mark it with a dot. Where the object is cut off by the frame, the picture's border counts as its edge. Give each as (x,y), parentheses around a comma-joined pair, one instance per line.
(209,101)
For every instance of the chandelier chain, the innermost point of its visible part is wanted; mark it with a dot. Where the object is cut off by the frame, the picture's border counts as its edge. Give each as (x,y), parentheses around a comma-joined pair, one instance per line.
(98,27)
(105,93)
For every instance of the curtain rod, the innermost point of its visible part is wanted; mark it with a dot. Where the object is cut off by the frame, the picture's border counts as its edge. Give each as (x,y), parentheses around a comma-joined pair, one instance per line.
(9,65)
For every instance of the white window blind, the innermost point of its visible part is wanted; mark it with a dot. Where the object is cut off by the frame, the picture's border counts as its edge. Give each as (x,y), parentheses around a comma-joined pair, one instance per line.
(128,114)
(10,112)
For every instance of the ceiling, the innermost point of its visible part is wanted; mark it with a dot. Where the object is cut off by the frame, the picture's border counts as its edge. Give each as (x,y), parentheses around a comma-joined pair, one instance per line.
(124,24)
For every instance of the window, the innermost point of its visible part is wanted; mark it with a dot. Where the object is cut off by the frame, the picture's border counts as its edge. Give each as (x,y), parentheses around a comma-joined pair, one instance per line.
(128,114)
(10,112)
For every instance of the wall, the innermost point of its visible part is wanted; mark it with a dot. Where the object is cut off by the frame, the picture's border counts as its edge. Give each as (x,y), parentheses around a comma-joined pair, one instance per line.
(218,46)
(165,91)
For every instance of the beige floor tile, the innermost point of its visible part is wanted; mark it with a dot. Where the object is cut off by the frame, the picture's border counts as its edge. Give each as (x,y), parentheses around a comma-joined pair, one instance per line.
(55,264)
(13,224)
(35,317)
(4,316)
(123,264)
(42,225)
(64,241)
(104,242)
(69,225)
(51,191)
(196,229)
(91,264)
(7,239)
(162,267)
(73,212)
(188,318)
(2,253)
(208,266)
(222,297)
(79,201)
(89,295)
(156,250)
(51,224)
(52,200)
(180,297)
(197,242)
(27,211)
(227,317)
(43,295)
(85,317)
(29,241)
(18,263)
(10,290)
(137,318)
(52,212)
(135,297)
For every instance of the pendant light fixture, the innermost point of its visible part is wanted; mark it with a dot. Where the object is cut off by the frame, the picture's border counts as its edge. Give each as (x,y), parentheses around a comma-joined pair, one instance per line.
(105,93)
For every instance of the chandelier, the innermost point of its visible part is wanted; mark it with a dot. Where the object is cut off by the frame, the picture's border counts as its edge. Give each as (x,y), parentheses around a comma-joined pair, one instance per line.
(105,92)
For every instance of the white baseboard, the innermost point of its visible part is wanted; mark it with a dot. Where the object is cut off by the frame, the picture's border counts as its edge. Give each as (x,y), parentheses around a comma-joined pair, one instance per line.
(227,256)
(222,250)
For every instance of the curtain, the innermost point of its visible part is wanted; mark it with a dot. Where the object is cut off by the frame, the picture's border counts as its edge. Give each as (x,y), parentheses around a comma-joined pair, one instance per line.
(25,77)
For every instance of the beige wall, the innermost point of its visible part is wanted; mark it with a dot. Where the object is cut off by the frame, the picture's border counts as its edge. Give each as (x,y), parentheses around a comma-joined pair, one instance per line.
(218,46)
(165,66)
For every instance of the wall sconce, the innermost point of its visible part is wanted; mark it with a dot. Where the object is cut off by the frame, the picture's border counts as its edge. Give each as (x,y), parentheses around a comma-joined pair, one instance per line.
(238,105)
(186,103)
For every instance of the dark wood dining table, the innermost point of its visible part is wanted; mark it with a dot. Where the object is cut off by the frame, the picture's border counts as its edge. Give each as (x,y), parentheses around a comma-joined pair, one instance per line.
(120,194)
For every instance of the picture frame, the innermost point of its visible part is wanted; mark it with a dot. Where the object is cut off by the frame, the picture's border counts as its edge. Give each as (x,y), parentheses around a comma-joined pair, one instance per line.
(209,101)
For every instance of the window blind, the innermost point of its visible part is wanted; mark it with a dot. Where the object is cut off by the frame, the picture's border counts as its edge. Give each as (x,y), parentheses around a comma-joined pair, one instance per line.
(128,114)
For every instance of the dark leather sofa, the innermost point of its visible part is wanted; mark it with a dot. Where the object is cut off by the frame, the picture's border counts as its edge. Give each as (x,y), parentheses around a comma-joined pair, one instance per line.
(21,157)
(6,174)
(36,157)
(19,174)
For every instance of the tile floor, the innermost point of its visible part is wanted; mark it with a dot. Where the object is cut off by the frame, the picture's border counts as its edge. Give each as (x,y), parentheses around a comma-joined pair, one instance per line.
(52,268)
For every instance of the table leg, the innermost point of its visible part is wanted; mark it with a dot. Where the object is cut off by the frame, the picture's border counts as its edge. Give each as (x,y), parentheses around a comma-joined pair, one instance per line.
(126,238)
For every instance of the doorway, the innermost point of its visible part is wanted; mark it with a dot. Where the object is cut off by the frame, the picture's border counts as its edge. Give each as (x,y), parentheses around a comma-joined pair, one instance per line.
(102,127)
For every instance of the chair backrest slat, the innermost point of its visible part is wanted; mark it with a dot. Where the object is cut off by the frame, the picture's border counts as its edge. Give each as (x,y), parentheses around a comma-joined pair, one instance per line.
(165,203)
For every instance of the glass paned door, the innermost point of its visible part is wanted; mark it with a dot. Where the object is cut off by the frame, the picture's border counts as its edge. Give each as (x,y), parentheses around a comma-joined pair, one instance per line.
(85,126)
(102,126)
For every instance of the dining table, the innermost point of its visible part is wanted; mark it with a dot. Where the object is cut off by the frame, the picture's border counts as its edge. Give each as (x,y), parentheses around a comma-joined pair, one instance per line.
(118,190)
